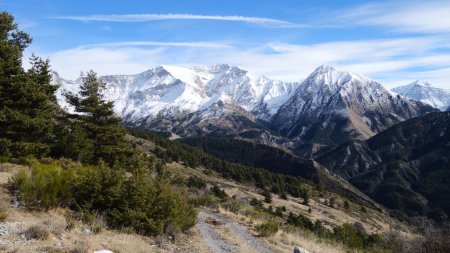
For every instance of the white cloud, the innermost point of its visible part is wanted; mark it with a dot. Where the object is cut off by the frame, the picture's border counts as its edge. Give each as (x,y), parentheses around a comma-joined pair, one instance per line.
(403,16)
(154,17)
(70,63)
(158,43)
(391,60)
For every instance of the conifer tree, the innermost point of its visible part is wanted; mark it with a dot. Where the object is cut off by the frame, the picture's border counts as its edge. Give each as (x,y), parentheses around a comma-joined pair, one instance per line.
(27,100)
(96,117)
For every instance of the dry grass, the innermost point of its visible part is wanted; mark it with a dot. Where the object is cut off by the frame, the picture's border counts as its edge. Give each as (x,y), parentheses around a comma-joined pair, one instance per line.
(98,224)
(287,242)
(37,232)
(56,225)
(80,247)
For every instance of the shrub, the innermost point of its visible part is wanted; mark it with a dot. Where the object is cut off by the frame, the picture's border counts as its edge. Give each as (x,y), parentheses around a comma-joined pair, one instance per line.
(125,198)
(210,201)
(98,224)
(256,202)
(346,205)
(138,201)
(70,221)
(3,215)
(232,205)
(219,192)
(300,221)
(267,229)
(80,247)
(44,185)
(37,232)
(349,236)
(195,182)
(267,196)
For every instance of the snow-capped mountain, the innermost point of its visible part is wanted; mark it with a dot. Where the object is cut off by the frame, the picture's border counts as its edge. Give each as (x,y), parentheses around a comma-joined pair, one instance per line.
(166,89)
(332,106)
(329,106)
(425,92)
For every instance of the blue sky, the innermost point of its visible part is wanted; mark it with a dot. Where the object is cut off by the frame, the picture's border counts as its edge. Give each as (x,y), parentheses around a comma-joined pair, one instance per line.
(393,42)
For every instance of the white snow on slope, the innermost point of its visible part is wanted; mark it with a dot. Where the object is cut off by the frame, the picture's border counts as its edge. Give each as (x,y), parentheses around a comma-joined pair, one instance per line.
(426,93)
(180,89)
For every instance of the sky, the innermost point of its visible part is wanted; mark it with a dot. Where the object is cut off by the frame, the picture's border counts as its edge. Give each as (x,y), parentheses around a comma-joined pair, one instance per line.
(392,42)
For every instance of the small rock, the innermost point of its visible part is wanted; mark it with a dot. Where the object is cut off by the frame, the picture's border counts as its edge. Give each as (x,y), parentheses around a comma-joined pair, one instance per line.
(214,222)
(103,251)
(300,250)
(87,231)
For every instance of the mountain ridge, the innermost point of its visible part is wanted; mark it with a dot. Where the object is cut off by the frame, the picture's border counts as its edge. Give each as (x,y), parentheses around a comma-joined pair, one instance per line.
(425,92)
(224,100)
(332,106)
(404,167)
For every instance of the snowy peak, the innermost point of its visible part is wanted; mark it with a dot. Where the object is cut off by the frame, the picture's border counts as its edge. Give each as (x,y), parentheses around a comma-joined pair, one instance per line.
(330,76)
(422,83)
(425,92)
(332,105)
(184,89)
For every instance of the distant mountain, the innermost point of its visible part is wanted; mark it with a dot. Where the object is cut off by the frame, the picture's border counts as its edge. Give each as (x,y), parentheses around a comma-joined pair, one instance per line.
(332,106)
(329,107)
(425,92)
(215,100)
(405,167)
(171,89)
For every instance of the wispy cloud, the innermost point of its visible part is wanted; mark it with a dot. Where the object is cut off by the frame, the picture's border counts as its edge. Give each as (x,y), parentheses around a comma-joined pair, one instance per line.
(270,22)
(402,16)
(396,61)
(158,43)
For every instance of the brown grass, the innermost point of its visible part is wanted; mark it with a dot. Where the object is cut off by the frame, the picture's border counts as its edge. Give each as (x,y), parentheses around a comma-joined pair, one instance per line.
(37,232)
(80,247)
(98,224)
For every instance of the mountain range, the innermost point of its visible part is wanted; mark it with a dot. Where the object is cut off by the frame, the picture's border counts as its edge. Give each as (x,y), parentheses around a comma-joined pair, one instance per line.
(405,167)
(425,92)
(329,107)
(350,128)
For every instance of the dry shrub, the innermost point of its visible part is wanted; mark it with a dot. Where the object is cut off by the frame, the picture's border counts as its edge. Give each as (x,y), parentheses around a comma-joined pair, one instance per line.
(80,247)
(3,215)
(172,231)
(267,229)
(55,226)
(98,224)
(70,221)
(37,232)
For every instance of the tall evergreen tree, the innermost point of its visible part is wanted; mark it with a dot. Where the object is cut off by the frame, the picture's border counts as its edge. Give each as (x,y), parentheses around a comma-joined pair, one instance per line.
(27,100)
(96,117)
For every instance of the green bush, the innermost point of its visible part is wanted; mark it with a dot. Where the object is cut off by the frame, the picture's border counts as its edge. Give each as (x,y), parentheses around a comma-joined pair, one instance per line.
(300,221)
(267,229)
(3,215)
(219,192)
(209,200)
(125,198)
(44,185)
(196,182)
(349,236)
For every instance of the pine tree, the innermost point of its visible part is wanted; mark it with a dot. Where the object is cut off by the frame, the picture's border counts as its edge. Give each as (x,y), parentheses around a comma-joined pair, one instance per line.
(96,117)
(27,98)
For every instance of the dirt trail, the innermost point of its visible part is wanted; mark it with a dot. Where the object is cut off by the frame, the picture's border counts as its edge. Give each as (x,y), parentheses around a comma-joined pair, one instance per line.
(227,235)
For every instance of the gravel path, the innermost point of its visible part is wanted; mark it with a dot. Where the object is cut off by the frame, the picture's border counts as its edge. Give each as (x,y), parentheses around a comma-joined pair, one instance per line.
(218,244)
(211,238)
